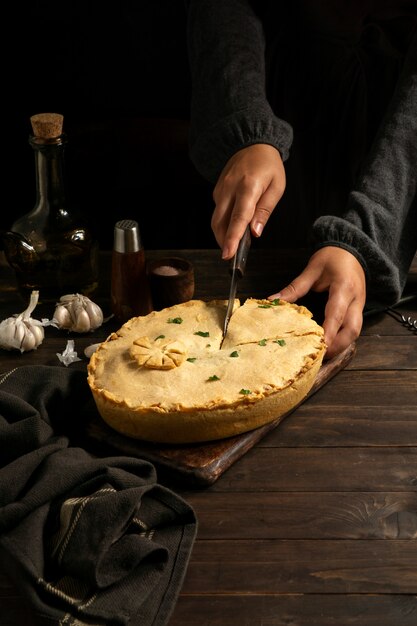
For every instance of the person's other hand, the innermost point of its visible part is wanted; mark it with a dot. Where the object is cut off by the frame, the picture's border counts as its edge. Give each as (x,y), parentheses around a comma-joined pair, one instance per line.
(337,271)
(247,191)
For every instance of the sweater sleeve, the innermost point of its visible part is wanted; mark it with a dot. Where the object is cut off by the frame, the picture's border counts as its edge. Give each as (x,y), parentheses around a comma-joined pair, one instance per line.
(379,225)
(229,108)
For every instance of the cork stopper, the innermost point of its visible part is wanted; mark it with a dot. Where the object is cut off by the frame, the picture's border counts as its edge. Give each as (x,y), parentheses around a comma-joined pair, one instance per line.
(47,125)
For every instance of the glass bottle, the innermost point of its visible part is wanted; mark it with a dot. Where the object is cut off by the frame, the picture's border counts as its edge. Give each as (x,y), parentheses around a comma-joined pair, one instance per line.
(51,248)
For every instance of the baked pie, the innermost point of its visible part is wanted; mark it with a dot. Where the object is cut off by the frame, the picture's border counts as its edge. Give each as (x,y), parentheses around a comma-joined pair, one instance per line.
(169,376)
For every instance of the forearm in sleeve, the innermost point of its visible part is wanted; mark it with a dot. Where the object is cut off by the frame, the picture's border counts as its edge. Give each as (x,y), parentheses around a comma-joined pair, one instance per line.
(229,108)
(379,225)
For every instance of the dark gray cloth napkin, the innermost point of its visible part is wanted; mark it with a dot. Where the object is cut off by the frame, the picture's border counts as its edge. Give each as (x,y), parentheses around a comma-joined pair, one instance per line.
(87,540)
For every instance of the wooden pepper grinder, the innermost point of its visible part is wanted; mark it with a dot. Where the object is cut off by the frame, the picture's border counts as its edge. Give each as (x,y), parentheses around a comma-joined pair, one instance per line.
(130,293)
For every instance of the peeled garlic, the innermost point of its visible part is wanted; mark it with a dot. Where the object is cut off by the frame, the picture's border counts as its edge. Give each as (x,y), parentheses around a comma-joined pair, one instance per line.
(21,332)
(89,350)
(77,313)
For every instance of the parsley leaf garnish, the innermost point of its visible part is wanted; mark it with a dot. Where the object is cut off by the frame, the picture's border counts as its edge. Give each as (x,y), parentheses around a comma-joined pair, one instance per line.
(175,320)
(271,303)
(214,377)
(245,392)
(234,354)
(262,342)
(201,333)
(280,342)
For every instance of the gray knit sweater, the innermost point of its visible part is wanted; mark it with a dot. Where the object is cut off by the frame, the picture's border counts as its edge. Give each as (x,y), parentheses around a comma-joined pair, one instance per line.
(231,108)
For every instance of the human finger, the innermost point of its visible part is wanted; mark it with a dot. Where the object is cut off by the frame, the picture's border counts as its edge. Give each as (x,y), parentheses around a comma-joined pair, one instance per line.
(348,332)
(224,199)
(241,215)
(343,316)
(269,200)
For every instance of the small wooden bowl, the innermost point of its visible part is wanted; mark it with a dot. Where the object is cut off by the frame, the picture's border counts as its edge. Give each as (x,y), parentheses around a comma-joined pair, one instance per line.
(171,281)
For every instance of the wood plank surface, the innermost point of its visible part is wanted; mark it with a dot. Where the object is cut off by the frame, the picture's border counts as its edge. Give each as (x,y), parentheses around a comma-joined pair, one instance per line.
(305,515)
(302,566)
(320,425)
(296,610)
(369,388)
(386,352)
(322,469)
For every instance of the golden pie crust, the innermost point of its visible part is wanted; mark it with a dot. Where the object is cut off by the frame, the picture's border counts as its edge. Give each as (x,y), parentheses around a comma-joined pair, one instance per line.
(169,377)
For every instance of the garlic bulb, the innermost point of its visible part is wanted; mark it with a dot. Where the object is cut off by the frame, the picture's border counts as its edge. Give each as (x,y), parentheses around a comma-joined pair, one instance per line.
(77,313)
(21,332)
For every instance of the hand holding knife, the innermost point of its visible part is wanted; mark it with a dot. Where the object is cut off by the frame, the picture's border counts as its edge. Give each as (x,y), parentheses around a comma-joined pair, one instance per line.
(237,270)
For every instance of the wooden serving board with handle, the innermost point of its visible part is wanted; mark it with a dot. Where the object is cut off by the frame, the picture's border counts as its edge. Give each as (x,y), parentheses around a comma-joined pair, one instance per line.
(201,464)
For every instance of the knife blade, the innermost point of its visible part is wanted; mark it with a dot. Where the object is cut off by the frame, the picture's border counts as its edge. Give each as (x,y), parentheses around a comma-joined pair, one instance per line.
(237,270)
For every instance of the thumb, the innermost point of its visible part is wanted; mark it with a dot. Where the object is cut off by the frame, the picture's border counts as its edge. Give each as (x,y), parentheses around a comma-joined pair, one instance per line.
(298,287)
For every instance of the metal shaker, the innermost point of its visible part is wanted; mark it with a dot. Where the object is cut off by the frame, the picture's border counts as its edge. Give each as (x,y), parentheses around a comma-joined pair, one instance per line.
(130,292)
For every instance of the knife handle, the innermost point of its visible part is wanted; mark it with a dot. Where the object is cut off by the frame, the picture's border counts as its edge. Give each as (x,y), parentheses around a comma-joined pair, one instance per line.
(239,260)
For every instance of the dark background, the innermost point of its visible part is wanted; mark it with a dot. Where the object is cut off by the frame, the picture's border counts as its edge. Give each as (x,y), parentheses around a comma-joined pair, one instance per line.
(119,74)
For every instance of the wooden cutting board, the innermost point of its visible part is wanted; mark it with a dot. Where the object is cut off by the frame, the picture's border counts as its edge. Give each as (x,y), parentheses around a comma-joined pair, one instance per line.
(199,465)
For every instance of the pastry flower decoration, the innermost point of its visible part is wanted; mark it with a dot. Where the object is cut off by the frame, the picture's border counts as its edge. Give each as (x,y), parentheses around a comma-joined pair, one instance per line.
(161,354)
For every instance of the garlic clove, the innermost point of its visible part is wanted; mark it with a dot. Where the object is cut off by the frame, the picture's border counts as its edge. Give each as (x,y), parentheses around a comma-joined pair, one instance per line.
(62,317)
(8,339)
(95,313)
(19,333)
(89,350)
(39,333)
(29,341)
(82,322)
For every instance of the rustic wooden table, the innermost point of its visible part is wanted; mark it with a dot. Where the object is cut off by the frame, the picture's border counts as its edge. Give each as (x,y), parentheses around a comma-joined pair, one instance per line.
(316,524)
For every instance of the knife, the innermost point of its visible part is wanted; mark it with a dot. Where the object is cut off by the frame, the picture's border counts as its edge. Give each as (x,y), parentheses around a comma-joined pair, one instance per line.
(237,270)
